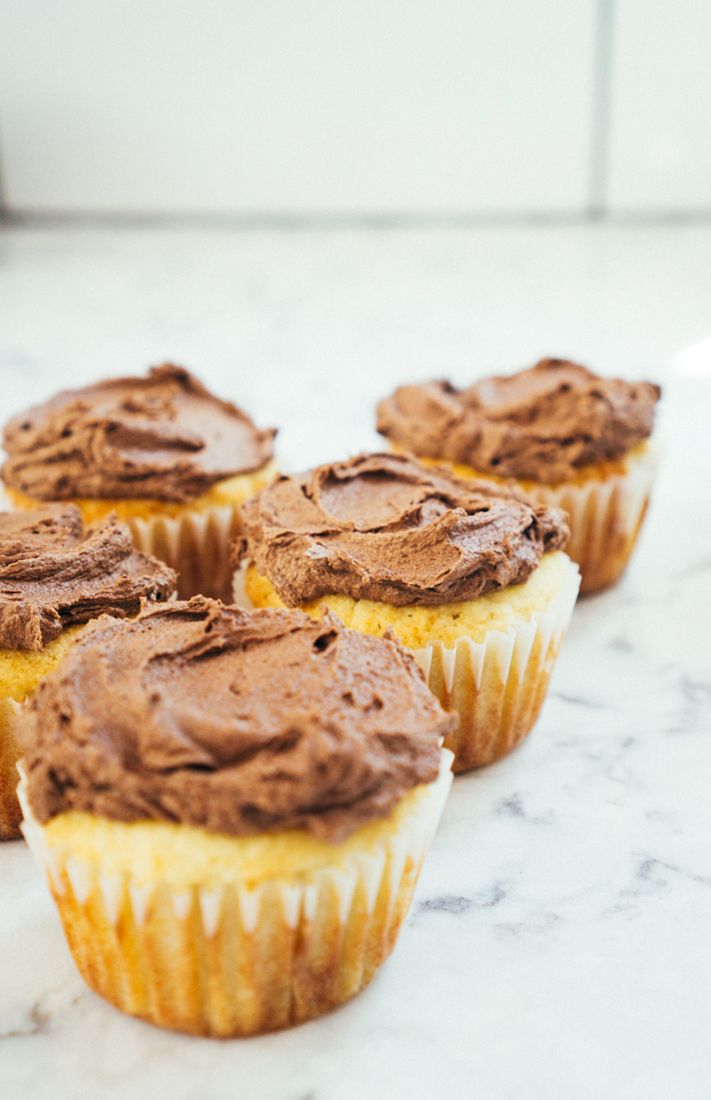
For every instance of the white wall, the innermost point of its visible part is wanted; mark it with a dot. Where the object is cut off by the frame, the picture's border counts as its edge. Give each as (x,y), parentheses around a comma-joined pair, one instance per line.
(660,151)
(351,106)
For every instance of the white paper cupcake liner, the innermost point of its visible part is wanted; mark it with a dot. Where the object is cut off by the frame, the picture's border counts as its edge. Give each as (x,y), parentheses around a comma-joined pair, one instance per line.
(605,518)
(605,511)
(498,686)
(238,593)
(237,959)
(196,544)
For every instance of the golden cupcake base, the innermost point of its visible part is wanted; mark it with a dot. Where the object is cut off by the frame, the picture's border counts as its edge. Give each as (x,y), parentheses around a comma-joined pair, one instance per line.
(239,958)
(21,673)
(10,812)
(490,660)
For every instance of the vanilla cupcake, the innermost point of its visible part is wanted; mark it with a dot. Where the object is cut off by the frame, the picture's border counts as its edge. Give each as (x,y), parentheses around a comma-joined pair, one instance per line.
(566,436)
(54,577)
(469,576)
(161,452)
(232,809)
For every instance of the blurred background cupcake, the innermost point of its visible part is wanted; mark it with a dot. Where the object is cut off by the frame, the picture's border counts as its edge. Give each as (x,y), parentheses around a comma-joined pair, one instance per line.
(170,459)
(569,438)
(232,809)
(468,575)
(55,576)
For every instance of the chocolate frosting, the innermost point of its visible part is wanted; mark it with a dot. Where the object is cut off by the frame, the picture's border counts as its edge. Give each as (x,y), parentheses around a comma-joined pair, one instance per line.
(239,722)
(384,527)
(55,573)
(541,424)
(164,437)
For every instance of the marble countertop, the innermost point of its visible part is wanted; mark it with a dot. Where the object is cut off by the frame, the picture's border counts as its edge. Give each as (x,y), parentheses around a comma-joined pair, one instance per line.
(558,945)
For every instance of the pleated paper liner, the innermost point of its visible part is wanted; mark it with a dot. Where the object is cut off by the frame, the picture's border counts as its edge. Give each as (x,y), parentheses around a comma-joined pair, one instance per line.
(498,686)
(605,510)
(10,812)
(235,959)
(605,517)
(195,541)
(196,544)
(238,592)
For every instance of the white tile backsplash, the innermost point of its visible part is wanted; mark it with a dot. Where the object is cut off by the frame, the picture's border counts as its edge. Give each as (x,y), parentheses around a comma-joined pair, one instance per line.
(360,107)
(383,106)
(660,140)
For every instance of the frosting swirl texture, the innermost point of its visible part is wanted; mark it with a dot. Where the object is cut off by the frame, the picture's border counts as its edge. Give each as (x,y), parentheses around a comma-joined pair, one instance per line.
(541,424)
(163,437)
(235,721)
(56,573)
(384,527)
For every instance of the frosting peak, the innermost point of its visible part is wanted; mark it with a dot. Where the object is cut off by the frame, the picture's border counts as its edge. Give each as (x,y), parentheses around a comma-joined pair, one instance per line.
(235,721)
(541,424)
(163,436)
(384,527)
(54,574)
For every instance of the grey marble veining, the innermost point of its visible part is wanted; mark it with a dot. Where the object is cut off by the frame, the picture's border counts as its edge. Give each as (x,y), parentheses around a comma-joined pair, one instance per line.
(558,944)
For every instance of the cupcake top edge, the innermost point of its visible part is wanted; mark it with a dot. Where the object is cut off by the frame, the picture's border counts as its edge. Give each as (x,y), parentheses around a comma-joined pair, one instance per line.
(540,424)
(384,527)
(55,573)
(163,436)
(239,722)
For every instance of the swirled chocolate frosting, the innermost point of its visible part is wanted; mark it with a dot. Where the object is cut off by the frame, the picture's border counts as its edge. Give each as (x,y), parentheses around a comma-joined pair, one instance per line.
(384,527)
(164,437)
(55,573)
(239,722)
(541,424)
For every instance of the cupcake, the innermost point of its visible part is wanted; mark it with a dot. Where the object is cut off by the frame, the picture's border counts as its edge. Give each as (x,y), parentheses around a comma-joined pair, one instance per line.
(171,460)
(232,809)
(468,575)
(567,437)
(54,577)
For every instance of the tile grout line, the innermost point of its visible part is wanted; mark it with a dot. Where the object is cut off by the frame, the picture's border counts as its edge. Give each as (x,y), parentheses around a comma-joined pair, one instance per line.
(368,223)
(4,211)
